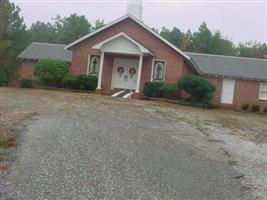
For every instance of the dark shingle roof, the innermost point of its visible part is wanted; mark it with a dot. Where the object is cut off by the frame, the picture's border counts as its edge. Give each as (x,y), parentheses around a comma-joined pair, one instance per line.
(38,51)
(230,66)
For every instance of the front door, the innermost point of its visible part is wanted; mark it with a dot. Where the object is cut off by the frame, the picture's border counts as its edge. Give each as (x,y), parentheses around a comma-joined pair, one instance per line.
(124,74)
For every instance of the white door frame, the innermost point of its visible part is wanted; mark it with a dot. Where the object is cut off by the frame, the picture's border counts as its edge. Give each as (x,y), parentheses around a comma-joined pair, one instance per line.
(125,81)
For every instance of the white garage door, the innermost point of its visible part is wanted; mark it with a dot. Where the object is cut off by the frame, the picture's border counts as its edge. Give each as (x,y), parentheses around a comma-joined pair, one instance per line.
(228,88)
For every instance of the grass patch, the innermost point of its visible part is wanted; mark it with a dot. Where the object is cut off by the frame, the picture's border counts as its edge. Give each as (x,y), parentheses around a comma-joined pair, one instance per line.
(7,142)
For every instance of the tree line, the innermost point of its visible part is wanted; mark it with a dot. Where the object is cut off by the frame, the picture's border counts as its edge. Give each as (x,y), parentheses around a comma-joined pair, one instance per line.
(15,36)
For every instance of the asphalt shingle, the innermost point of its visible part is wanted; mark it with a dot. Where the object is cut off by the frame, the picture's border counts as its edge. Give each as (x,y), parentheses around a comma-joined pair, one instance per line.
(230,66)
(218,65)
(38,51)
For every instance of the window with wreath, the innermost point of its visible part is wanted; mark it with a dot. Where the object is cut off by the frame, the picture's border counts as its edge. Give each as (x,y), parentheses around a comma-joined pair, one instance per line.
(94,64)
(158,70)
(263,91)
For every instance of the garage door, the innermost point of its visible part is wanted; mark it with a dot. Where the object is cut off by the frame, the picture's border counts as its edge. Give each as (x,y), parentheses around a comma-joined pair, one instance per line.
(228,88)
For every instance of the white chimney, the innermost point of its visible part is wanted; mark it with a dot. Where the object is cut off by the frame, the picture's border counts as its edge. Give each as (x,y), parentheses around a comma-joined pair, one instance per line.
(134,7)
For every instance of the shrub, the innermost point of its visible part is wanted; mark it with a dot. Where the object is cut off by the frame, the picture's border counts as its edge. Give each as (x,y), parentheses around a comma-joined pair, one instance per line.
(168,87)
(209,104)
(255,108)
(199,88)
(51,72)
(3,77)
(265,110)
(26,83)
(153,89)
(87,82)
(245,106)
(70,81)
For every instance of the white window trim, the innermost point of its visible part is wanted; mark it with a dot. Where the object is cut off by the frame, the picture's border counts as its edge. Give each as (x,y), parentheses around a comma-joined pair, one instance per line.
(152,69)
(88,64)
(261,98)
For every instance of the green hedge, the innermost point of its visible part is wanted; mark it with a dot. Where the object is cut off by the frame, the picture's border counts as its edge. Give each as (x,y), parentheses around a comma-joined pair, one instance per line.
(153,89)
(70,81)
(26,83)
(80,82)
(255,108)
(51,72)
(168,87)
(87,82)
(245,106)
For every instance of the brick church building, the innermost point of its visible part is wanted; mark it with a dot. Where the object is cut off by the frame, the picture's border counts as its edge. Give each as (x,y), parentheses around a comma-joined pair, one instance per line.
(126,53)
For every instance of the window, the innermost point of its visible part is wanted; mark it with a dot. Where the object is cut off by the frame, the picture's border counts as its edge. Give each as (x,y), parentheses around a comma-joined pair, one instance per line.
(263,91)
(158,70)
(94,64)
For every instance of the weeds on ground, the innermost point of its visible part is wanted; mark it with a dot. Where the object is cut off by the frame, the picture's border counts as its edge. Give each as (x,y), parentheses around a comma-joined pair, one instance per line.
(7,141)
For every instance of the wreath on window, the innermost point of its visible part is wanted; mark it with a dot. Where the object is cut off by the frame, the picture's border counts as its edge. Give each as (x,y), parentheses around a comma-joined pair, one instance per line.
(120,70)
(132,72)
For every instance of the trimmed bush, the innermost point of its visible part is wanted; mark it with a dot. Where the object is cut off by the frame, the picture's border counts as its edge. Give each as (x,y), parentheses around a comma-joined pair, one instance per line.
(245,106)
(209,104)
(153,89)
(255,108)
(87,82)
(265,110)
(26,83)
(168,87)
(70,81)
(199,88)
(51,72)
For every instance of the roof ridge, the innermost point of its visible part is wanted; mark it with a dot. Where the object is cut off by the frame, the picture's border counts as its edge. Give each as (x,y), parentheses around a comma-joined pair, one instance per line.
(216,55)
(49,43)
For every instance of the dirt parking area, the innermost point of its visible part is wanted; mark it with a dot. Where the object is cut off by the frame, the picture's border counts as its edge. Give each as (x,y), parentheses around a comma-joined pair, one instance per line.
(85,146)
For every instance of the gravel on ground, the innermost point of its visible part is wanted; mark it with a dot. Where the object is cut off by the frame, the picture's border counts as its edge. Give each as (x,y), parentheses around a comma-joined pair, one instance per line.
(85,146)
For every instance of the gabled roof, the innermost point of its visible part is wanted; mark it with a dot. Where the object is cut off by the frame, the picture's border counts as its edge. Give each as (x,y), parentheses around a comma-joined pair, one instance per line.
(231,66)
(36,51)
(143,49)
(137,21)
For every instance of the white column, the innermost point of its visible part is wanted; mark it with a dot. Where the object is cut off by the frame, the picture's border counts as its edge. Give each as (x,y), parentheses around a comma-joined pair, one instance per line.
(137,90)
(100,70)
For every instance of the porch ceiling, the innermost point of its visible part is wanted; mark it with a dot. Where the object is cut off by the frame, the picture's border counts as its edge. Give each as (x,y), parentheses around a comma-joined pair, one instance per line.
(122,43)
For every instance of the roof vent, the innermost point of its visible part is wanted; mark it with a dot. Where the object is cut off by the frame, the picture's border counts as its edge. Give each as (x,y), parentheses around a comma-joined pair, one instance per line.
(134,8)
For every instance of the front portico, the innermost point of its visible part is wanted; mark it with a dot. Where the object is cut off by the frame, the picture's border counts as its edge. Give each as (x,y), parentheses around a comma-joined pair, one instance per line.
(121,58)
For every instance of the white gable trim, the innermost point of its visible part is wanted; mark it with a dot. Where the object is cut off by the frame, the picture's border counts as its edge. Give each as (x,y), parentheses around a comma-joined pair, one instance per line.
(137,21)
(141,48)
(145,27)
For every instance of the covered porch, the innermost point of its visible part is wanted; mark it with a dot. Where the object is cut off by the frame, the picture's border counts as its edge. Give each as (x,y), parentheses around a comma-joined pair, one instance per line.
(121,64)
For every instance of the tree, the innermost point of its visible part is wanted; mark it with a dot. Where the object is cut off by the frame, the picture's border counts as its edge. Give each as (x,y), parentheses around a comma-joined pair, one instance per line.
(98,24)
(42,32)
(199,88)
(12,39)
(72,28)
(252,49)
(202,39)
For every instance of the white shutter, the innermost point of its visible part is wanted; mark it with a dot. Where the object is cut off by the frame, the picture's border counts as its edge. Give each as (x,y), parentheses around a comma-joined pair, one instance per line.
(228,88)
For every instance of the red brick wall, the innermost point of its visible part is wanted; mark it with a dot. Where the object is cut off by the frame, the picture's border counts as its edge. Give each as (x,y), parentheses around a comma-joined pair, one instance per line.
(245,92)
(27,69)
(174,61)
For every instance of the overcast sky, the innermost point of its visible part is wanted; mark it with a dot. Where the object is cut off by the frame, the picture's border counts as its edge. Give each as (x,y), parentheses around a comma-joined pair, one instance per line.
(239,21)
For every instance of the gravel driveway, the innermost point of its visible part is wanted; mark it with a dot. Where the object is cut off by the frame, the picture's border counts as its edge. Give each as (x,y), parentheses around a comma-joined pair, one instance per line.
(101,148)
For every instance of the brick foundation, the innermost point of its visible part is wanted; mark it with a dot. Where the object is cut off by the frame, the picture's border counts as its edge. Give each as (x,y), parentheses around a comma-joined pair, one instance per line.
(136,95)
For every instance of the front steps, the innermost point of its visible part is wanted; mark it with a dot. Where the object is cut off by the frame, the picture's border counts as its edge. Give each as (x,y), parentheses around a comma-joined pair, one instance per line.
(122,93)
